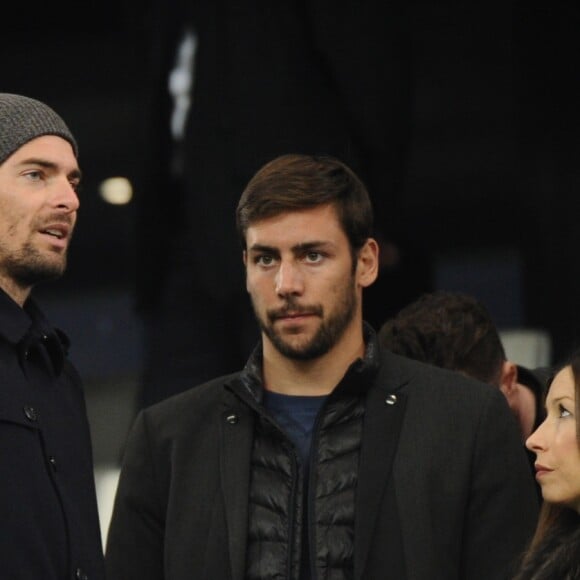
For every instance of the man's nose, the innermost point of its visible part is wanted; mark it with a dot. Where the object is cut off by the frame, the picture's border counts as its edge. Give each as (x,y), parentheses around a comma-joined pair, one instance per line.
(289,279)
(66,196)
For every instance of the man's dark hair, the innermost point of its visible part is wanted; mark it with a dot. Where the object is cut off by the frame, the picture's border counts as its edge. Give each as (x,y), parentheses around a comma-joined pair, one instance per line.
(296,182)
(450,330)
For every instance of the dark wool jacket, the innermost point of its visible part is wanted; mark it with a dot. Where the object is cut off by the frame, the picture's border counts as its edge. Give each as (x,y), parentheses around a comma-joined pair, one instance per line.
(443,490)
(49,527)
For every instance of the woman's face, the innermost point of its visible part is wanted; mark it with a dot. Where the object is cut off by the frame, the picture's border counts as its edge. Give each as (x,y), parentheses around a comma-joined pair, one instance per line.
(555,444)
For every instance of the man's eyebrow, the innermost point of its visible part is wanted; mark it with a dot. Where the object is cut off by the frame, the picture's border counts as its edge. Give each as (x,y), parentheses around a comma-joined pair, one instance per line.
(308,246)
(296,249)
(262,248)
(75,174)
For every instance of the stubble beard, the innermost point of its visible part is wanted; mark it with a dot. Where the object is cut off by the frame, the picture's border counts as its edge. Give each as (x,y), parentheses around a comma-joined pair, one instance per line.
(29,266)
(328,334)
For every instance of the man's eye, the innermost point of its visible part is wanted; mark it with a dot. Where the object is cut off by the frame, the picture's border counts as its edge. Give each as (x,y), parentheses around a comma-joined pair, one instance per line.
(33,175)
(264,260)
(313,257)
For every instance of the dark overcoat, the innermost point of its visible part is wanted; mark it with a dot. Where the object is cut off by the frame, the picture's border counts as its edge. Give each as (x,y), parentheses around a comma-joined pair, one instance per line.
(444,489)
(49,526)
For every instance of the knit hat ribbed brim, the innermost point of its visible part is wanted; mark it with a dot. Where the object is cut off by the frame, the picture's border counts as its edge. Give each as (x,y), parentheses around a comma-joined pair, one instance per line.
(23,119)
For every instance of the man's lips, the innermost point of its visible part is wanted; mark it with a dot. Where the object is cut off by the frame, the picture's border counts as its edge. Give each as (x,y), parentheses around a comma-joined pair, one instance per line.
(292,316)
(289,315)
(57,235)
(58,231)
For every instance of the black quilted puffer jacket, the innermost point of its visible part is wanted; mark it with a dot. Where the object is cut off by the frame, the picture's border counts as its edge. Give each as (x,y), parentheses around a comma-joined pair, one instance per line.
(283,511)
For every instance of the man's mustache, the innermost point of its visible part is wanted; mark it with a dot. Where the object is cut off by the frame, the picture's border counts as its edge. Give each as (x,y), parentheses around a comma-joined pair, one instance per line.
(291,308)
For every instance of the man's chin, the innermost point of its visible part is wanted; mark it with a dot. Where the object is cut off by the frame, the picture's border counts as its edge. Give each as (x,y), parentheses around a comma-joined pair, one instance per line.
(39,273)
(298,348)
(299,354)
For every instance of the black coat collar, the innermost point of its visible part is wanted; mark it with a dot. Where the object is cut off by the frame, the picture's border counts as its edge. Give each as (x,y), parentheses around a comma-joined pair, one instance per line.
(358,377)
(27,327)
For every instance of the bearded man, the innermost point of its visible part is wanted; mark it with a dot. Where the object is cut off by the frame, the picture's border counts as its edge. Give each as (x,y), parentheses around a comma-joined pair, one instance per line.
(325,457)
(49,526)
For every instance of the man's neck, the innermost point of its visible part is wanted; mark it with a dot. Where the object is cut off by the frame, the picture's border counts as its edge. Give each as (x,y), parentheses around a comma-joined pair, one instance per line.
(18,293)
(310,377)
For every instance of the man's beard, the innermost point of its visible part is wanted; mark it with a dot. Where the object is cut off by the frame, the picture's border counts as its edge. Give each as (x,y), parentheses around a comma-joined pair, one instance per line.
(327,335)
(29,267)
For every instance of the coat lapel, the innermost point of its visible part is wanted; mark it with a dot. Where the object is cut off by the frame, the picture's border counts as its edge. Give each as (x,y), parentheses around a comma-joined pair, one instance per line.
(385,410)
(237,435)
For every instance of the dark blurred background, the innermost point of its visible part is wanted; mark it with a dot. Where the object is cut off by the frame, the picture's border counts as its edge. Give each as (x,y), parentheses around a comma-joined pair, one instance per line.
(488,168)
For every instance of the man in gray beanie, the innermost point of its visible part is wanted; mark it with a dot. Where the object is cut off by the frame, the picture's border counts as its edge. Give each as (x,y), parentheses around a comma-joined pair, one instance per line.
(49,525)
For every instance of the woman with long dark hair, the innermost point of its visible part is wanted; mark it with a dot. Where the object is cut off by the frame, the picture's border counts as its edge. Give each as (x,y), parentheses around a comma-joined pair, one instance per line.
(554,552)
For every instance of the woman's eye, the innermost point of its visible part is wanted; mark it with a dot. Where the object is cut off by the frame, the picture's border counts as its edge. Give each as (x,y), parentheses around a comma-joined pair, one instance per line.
(563,412)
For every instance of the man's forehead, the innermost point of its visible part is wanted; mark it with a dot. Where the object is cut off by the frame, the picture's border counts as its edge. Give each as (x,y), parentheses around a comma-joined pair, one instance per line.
(317,225)
(46,150)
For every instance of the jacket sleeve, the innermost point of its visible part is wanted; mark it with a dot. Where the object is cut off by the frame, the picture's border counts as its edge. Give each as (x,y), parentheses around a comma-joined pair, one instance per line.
(503,507)
(134,549)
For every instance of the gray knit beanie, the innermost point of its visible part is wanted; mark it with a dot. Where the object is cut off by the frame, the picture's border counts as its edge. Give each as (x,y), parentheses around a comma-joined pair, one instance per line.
(23,119)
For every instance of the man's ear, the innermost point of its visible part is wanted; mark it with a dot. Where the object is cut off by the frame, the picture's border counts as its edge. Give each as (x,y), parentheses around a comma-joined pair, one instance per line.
(367,268)
(245,257)
(508,378)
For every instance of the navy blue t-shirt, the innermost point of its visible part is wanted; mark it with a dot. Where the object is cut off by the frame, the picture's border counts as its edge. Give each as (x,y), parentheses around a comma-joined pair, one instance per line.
(296,414)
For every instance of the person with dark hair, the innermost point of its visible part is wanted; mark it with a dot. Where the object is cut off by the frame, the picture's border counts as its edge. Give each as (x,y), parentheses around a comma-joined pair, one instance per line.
(49,526)
(230,86)
(455,331)
(325,456)
(555,548)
